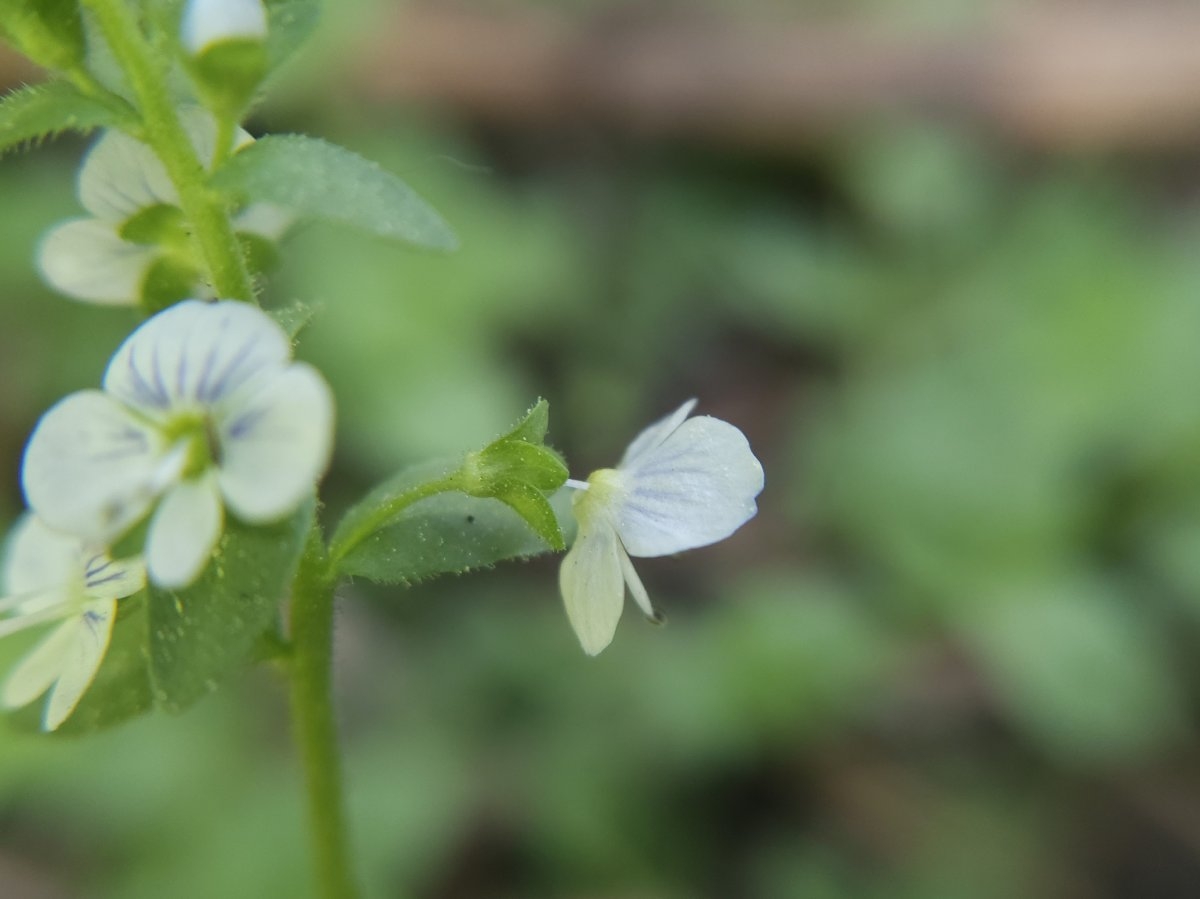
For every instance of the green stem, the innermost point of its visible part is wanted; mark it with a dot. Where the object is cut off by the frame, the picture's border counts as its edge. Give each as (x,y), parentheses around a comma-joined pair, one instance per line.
(312,713)
(364,527)
(164,132)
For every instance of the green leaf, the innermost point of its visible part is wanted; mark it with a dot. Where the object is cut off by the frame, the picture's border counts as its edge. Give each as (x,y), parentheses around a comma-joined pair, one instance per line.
(201,635)
(46,110)
(320,180)
(447,533)
(289,23)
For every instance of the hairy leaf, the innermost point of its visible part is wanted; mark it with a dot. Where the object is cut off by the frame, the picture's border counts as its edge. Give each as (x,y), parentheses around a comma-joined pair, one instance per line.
(444,534)
(202,634)
(46,110)
(316,179)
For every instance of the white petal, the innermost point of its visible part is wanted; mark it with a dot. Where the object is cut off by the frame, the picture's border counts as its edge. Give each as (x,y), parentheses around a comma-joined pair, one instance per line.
(90,467)
(207,22)
(193,355)
(267,220)
(636,589)
(122,176)
(39,558)
(183,532)
(592,587)
(88,260)
(276,436)
(201,130)
(654,435)
(695,488)
(109,579)
(81,661)
(34,674)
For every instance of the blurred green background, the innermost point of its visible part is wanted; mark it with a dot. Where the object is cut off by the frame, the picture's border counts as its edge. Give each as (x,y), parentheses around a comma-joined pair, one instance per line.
(952,657)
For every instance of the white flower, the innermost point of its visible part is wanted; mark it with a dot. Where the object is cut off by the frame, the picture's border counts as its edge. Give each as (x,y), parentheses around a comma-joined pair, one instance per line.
(208,22)
(53,577)
(680,485)
(202,409)
(136,224)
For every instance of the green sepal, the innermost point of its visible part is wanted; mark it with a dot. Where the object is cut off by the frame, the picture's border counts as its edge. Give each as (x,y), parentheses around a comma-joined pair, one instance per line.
(533,427)
(50,32)
(533,506)
(226,75)
(201,635)
(319,180)
(294,317)
(507,460)
(168,280)
(46,110)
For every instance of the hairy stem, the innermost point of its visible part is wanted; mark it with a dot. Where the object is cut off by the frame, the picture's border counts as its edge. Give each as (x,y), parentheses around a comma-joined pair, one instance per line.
(364,527)
(205,209)
(312,715)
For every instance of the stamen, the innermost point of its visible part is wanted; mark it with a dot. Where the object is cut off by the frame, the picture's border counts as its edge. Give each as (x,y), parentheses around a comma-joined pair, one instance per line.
(575,485)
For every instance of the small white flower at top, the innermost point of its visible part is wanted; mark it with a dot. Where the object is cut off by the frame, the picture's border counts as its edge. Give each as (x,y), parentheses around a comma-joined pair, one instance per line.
(137,235)
(683,483)
(52,577)
(203,409)
(210,22)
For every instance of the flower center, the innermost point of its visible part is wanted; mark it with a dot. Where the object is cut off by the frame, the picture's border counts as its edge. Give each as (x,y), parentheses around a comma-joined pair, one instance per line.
(196,431)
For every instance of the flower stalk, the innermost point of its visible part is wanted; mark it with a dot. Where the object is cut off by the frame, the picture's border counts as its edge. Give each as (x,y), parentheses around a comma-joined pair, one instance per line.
(313,719)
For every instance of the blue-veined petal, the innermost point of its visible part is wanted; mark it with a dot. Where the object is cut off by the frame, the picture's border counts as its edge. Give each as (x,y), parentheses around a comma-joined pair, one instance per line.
(91,631)
(696,486)
(183,532)
(90,467)
(592,586)
(194,355)
(87,259)
(120,177)
(276,435)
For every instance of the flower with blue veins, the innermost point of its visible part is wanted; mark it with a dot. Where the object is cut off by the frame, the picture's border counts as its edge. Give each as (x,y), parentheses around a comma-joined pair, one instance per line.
(683,483)
(202,410)
(52,577)
(136,246)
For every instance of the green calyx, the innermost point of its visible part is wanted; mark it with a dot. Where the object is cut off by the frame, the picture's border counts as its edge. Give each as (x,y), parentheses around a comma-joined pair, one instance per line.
(519,470)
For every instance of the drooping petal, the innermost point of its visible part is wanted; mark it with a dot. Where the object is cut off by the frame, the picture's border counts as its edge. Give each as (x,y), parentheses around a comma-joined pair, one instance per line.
(636,589)
(121,176)
(208,22)
(654,435)
(92,631)
(87,259)
(90,467)
(183,532)
(592,587)
(276,435)
(39,558)
(34,674)
(193,355)
(694,488)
